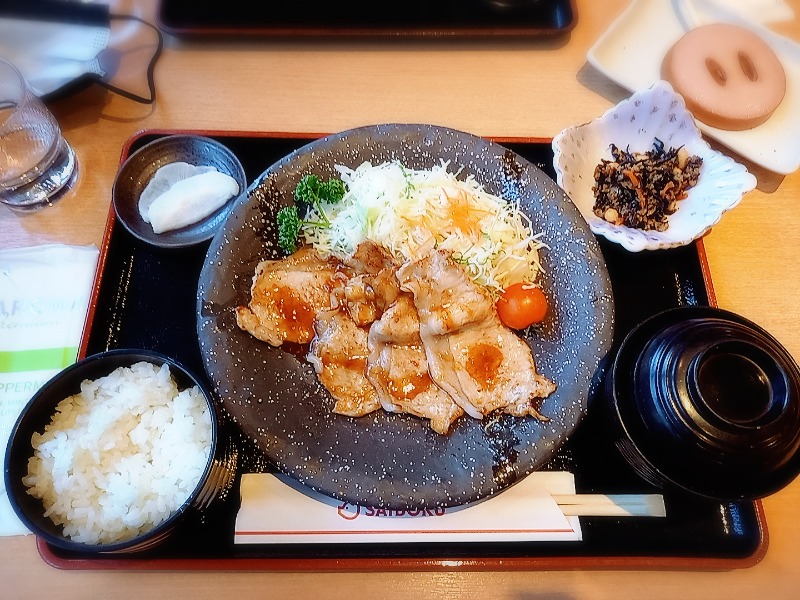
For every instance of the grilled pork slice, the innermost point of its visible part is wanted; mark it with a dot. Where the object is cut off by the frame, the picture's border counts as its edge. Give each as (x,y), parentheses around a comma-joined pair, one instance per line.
(482,364)
(398,368)
(339,355)
(286,295)
(373,286)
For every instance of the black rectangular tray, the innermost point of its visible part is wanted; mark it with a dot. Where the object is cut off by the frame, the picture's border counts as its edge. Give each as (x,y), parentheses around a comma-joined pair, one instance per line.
(431,18)
(145,298)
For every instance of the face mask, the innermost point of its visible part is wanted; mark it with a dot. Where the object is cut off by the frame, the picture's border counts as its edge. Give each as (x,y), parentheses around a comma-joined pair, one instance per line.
(55,43)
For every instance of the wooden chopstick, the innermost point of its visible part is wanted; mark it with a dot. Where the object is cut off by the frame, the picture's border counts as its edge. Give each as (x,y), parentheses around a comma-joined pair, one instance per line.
(611,505)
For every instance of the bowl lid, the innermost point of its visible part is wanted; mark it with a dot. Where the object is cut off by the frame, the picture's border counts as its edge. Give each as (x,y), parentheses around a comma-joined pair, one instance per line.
(711,401)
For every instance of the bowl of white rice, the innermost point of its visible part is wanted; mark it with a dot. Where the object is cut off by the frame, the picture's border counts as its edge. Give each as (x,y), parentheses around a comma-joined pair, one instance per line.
(112,453)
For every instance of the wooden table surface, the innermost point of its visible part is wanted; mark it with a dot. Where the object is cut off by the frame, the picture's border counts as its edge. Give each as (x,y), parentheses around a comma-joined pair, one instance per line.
(509,87)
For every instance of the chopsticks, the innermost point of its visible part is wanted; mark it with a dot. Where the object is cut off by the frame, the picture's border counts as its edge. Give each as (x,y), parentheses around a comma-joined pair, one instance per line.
(611,505)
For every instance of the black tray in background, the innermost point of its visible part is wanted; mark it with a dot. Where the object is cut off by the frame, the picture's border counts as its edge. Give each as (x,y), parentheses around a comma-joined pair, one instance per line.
(432,18)
(146,299)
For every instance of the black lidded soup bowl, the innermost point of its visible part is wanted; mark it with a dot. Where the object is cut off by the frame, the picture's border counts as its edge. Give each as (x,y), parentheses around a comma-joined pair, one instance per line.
(705,402)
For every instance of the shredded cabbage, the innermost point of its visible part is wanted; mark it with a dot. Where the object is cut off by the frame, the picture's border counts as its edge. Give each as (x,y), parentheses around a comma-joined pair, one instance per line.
(411,212)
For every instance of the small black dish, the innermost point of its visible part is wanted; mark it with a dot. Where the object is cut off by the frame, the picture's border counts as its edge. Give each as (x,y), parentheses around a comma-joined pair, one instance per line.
(142,165)
(215,482)
(704,401)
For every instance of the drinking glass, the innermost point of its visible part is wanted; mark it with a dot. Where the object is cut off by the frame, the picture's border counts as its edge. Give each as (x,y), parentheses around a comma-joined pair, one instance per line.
(37,165)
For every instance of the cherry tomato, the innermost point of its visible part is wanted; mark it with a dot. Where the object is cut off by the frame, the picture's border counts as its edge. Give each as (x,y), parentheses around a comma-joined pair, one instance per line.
(521,305)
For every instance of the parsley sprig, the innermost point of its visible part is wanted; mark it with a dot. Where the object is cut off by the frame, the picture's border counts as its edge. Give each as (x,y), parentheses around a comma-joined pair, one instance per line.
(312,192)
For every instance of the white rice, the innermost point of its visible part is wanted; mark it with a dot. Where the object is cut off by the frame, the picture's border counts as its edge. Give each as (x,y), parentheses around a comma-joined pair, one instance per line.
(121,456)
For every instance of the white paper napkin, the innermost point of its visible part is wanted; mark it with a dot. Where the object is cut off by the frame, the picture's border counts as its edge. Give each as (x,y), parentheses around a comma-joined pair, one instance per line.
(44,296)
(274,511)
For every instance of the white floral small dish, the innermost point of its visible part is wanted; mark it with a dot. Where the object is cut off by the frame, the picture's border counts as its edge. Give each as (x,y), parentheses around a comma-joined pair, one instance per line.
(657,112)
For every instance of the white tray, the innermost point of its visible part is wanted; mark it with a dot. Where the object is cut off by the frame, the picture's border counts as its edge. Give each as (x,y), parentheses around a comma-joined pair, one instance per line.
(630,53)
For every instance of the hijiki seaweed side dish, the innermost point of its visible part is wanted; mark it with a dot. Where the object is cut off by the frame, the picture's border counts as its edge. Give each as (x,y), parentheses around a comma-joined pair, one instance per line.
(641,189)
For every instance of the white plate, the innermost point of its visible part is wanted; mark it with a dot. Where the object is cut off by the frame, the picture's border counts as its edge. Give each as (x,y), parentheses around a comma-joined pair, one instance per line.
(630,53)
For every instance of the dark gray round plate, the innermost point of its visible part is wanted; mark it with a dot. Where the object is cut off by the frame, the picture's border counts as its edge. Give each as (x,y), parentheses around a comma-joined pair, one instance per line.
(140,167)
(391,460)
